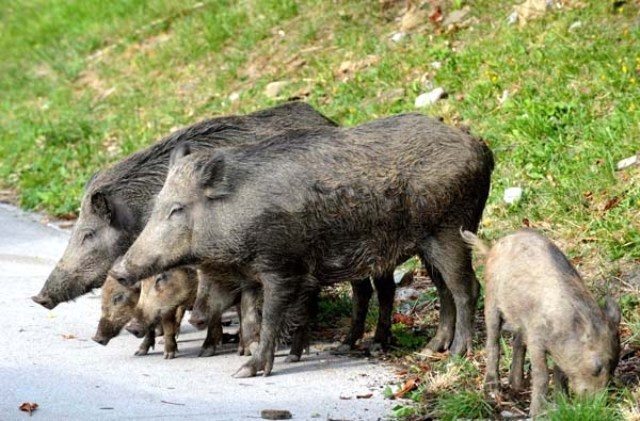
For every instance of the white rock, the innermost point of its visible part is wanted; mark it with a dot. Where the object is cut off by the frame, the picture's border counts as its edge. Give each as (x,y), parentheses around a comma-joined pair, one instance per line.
(627,162)
(397,36)
(274,89)
(575,25)
(234,96)
(429,98)
(436,64)
(504,97)
(513,18)
(512,194)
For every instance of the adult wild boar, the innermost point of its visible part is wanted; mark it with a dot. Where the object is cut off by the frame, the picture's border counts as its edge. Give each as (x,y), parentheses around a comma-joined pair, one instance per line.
(117,201)
(534,290)
(313,207)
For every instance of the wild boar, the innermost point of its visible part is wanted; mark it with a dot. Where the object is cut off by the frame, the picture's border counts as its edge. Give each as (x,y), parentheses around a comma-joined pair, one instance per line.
(117,201)
(532,288)
(118,307)
(313,207)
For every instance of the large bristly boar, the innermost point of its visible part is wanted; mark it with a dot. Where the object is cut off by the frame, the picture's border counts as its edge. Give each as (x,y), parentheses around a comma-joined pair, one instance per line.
(117,201)
(314,207)
(534,290)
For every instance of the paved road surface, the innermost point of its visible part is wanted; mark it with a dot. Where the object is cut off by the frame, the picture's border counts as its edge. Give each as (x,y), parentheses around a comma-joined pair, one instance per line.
(76,378)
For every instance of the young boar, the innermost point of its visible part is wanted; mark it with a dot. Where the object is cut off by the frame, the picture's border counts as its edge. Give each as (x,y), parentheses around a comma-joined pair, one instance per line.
(533,290)
(313,207)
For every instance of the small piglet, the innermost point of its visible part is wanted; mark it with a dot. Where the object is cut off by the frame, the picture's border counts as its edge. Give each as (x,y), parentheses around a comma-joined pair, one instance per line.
(118,307)
(533,289)
(164,298)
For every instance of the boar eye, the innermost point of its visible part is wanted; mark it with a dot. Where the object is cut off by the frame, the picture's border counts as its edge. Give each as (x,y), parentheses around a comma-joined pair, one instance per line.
(175,210)
(118,298)
(160,279)
(88,236)
(597,369)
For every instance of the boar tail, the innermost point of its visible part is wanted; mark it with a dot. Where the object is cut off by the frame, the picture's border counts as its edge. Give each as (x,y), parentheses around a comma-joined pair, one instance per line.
(474,242)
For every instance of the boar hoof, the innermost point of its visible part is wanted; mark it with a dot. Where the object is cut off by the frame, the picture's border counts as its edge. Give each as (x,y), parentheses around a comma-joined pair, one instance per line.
(245,371)
(376,349)
(208,351)
(141,352)
(169,355)
(292,358)
(461,347)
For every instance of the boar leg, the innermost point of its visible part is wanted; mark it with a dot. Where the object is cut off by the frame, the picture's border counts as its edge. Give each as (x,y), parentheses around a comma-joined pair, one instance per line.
(494,325)
(361,295)
(214,337)
(250,319)
(179,316)
(386,290)
(516,374)
(149,341)
(302,333)
(169,329)
(446,325)
(539,378)
(560,379)
(452,257)
(279,293)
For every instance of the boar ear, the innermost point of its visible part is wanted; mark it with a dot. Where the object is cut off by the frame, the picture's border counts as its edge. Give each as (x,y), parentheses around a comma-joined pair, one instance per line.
(178,152)
(612,310)
(110,208)
(213,177)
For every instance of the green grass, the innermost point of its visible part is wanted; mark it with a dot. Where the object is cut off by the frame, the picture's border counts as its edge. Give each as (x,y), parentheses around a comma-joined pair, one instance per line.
(86,83)
(467,404)
(584,409)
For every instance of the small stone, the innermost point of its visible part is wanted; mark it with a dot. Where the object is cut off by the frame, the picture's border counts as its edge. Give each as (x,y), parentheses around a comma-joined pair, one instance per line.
(275,414)
(504,97)
(397,36)
(436,65)
(430,98)
(234,96)
(403,277)
(456,16)
(513,18)
(274,89)
(575,25)
(627,162)
(407,294)
(512,195)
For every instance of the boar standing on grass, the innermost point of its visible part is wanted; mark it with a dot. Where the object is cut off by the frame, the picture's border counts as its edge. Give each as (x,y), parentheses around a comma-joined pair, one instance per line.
(314,207)
(533,289)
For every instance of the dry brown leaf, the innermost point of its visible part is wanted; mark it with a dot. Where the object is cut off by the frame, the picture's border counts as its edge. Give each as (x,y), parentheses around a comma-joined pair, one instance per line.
(364,396)
(28,407)
(436,15)
(404,319)
(526,222)
(611,203)
(409,385)
(69,336)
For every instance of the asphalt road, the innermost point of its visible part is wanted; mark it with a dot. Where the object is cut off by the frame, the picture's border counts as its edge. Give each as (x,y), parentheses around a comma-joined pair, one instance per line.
(48,358)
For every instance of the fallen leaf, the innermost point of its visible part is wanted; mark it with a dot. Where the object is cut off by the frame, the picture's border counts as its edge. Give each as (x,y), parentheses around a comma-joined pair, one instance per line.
(409,385)
(436,15)
(69,336)
(526,222)
(365,396)
(404,319)
(28,407)
(611,203)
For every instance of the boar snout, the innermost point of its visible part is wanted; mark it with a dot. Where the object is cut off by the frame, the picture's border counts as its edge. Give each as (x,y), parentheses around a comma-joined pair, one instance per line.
(198,320)
(135,328)
(44,300)
(101,340)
